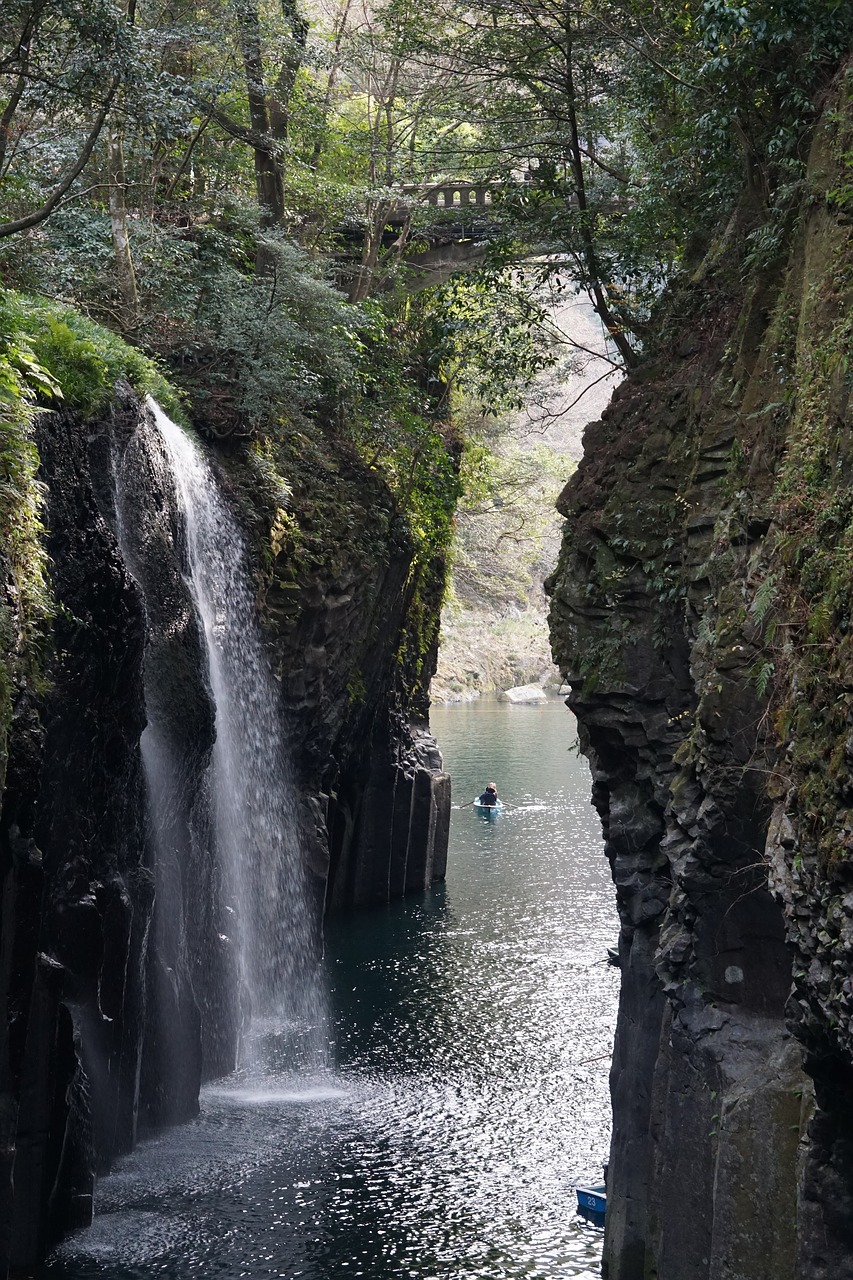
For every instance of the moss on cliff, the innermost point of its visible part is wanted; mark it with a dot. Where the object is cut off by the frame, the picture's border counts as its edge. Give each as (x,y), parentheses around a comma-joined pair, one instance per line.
(50,356)
(713,514)
(327,524)
(803,597)
(25,604)
(83,360)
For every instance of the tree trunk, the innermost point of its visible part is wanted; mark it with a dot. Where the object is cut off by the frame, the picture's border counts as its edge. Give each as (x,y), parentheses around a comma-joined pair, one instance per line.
(269,179)
(340,32)
(125,271)
(371,246)
(279,106)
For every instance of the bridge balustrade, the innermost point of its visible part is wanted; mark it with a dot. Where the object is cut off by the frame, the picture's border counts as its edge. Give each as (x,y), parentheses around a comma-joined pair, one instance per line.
(452,195)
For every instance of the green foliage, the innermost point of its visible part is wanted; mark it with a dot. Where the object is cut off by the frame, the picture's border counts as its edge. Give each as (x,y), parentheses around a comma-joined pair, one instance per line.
(761,675)
(83,360)
(25,604)
(489,335)
(265,345)
(676,105)
(682,111)
(507,530)
(417,458)
(394,409)
(766,596)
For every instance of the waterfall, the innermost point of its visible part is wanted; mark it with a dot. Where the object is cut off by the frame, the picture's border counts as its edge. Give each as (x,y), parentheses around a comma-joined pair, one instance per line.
(246,807)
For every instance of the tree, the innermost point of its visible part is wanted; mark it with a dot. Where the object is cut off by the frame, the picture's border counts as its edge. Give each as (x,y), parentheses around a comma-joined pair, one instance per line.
(61,66)
(644,123)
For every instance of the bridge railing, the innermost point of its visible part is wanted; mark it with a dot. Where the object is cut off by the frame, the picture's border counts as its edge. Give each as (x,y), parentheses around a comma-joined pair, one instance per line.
(463,195)
(451,195)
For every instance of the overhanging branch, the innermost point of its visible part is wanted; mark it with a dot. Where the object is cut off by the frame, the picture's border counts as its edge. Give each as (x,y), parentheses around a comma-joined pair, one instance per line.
(39,215)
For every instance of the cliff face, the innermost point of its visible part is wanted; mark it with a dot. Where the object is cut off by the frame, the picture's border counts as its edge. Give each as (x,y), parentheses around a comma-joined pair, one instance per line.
(701,611)
(115,952)
(352,607)
(76,891)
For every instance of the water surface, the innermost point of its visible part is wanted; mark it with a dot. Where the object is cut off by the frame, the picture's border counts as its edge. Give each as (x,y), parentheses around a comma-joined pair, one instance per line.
(466,1090)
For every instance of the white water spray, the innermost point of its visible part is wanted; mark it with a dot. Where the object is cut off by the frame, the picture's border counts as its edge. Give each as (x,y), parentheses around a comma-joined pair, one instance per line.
(254,819)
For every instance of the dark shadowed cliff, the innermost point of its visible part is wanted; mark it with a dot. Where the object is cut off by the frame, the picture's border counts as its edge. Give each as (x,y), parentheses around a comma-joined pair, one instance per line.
(702,610)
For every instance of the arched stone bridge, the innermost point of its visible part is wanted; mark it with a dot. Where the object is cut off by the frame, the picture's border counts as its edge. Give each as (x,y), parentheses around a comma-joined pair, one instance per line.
(458,237)
(453,195)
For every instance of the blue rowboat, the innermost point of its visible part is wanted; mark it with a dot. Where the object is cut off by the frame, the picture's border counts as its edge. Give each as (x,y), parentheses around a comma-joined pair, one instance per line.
(488,810)
(592,1203)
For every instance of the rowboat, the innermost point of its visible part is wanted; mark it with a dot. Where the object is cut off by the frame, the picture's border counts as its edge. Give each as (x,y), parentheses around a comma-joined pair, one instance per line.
(488,810)
(592,1203)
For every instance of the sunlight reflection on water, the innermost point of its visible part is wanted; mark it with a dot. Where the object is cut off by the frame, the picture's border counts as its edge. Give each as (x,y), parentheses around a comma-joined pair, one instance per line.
(469,1088)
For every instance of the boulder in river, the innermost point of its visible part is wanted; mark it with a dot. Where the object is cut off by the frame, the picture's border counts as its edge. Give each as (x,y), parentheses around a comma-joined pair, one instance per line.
(525,693)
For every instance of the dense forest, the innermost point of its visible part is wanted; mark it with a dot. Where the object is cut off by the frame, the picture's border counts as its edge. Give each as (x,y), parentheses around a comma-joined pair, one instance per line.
(240,192)
(331,237)
(236,189)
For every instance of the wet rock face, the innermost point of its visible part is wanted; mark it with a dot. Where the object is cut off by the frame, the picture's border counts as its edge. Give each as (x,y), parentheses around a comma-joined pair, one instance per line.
(111,971)
(77,893)
(192,1026)
(352,617)
(710,676)
(115,960)
(705,1074)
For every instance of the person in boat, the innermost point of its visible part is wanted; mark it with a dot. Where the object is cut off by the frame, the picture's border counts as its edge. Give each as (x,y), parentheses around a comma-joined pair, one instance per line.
(489,796)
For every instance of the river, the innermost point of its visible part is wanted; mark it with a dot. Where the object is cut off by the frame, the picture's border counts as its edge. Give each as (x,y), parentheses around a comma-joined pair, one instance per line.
(466,1085)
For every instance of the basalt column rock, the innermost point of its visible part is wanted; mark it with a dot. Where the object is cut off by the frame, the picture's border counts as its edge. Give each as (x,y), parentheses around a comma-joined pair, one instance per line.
(394,838)
(352,615)
(77,893)
(707,1084)
(703,613)
(110,966)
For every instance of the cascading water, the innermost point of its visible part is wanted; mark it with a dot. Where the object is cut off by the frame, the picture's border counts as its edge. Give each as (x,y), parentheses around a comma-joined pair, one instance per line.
(248,818)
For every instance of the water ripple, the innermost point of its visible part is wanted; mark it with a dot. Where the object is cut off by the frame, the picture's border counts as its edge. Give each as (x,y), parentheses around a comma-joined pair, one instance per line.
(468,1093)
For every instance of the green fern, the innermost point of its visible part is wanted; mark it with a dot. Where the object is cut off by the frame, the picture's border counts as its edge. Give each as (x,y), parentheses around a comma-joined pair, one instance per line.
(762,673)
(820,622)
(764,599)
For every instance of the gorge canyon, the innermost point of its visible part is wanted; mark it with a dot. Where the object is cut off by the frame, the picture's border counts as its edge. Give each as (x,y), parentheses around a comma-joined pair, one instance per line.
(236,423)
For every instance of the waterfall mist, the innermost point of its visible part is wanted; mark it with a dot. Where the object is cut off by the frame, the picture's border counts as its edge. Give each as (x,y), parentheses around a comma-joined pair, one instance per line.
(244,816)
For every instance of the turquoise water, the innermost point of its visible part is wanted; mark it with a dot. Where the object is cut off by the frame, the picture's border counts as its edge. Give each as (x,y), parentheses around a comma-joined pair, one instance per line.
(466,1090)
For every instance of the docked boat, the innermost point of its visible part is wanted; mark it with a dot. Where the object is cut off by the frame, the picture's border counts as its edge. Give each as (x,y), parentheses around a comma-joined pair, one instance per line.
(488,810)
(592,1203)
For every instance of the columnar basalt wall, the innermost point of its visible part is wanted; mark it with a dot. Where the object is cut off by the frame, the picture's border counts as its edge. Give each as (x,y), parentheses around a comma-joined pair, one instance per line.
(701,611)
(77,892)
(352,609)
(116,968)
